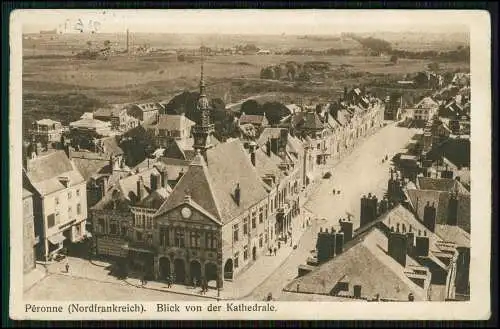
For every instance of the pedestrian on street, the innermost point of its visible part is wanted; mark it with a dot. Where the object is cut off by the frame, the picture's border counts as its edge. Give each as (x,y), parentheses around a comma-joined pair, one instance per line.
(169,281)
(275,251)
(195,282)
(270,251)
(279,244)
(67,266)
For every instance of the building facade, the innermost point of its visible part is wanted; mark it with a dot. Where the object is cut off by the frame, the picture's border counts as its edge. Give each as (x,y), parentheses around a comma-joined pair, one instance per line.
(59,202)
(29,239)
(47,131)
(169,128)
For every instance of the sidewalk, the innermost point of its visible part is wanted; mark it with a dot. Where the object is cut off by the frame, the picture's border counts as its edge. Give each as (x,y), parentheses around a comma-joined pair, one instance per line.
(32,278)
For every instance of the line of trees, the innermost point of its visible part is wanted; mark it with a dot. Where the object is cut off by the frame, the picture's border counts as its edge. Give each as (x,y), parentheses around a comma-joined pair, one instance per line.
(379,46)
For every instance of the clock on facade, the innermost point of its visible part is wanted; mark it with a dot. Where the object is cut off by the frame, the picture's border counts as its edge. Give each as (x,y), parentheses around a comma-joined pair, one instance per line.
(186,212)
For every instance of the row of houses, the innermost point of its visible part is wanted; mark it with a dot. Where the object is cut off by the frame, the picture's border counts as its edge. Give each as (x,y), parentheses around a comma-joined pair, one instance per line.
(199,207)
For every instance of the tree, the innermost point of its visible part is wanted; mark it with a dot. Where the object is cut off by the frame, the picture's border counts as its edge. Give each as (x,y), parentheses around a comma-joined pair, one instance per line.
(277,72)
(275,112)
(251,107)
(184,103)
(394,59)
(267,73)
(218,104)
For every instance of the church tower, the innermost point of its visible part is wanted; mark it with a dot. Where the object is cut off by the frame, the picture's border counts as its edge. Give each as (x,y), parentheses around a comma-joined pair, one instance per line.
(204,129)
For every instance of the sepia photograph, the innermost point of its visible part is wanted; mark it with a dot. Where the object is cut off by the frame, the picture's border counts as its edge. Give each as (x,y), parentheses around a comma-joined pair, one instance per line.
(217,163)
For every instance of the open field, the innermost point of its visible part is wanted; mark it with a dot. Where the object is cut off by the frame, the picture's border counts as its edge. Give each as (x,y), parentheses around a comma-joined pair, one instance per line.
(60,86)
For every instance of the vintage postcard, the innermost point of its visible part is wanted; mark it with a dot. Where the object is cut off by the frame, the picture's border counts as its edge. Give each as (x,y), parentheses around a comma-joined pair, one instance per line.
(250,164)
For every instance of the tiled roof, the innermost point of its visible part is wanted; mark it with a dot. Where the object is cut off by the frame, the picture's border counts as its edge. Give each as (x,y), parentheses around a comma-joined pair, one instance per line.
(454,234)
(402,216)
(197,183)
(125,187)
(212,184)
(251,118)
(89,167)
(380,273)
(267,165)
(44,172)
(171,122)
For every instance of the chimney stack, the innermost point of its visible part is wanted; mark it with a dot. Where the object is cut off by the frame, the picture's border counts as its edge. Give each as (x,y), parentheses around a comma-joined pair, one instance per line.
(163,177)
(104,186)
(363,212)
(410,242)
(397,245)
(332,245)
(452,212)
(430,216)
(252,148)
(237,194)
(422,245)
(283,138)
(154,182)
(339,243)
(323,246)
(346,227)
(139,190)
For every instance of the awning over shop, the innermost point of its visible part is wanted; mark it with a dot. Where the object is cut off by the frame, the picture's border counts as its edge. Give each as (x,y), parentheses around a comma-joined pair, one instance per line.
(56,239)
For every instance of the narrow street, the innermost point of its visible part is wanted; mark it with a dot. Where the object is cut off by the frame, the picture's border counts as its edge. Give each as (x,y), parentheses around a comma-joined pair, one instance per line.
(358,173)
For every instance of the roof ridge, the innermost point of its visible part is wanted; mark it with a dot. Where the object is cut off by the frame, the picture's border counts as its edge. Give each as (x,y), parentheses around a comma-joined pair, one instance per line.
(208,177)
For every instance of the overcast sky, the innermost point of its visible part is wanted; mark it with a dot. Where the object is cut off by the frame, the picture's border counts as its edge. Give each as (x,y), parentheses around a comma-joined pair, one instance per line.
(249,21)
